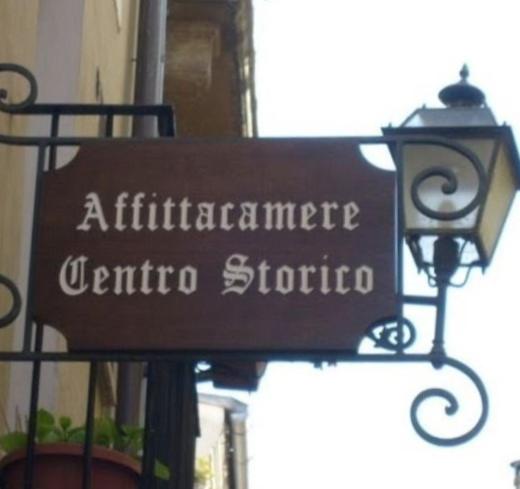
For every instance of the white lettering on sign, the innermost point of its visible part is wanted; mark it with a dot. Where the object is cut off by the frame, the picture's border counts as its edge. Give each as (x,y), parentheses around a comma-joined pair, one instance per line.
(94,211)
(78,276)
(239,276)
(145,212)
(141,212)
(72,275)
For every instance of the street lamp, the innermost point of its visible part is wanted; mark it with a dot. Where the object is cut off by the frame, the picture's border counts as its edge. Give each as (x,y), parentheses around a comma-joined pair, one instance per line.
(459,171)
(457,174)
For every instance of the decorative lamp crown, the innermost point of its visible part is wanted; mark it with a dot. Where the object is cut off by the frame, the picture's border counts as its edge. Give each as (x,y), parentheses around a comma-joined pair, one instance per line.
(462,94)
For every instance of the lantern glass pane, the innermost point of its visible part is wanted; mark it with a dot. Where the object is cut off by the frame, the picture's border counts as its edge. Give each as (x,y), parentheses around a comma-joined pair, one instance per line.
(418,158)
(501,192)
(451,117)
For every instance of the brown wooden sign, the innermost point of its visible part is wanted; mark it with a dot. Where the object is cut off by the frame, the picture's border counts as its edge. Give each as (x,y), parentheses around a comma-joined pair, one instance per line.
(252,245)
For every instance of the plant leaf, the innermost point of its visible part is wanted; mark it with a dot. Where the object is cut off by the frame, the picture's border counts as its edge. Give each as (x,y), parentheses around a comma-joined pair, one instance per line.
(65,423)
(161,471)
(105,432)
(44,417)
(132,440)
(53,435)
(13,441)
(76,435)
(45,427)
(203,472)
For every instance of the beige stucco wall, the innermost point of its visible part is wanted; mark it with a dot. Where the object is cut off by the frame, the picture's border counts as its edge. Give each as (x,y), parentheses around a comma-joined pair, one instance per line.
(17,44)
(108,58)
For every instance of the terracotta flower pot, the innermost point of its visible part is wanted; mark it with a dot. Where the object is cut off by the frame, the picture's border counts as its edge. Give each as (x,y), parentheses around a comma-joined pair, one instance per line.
(61,465)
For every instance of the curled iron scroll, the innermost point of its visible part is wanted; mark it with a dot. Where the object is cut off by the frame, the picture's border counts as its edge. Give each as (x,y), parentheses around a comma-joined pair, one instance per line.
(16,300)
(451,408)
(33,88)
(393,334)
(451,183)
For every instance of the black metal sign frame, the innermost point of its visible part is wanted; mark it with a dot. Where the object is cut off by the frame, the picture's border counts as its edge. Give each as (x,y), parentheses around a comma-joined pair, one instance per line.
(394,336)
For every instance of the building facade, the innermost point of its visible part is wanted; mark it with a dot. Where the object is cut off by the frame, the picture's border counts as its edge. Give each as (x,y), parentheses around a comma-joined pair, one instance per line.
(85,52)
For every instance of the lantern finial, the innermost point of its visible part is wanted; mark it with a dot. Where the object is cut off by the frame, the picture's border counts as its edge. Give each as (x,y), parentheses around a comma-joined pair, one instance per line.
(462,94)
(464,72)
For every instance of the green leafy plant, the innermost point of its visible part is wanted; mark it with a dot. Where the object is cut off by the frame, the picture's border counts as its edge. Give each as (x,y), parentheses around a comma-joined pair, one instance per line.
(127,439)
(203,471)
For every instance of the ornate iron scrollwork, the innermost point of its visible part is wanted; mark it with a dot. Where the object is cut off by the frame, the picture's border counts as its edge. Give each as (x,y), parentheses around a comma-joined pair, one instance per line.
(451,408)
(397,335)
(16,300)
(393,334)
(451,183)
(33,88)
